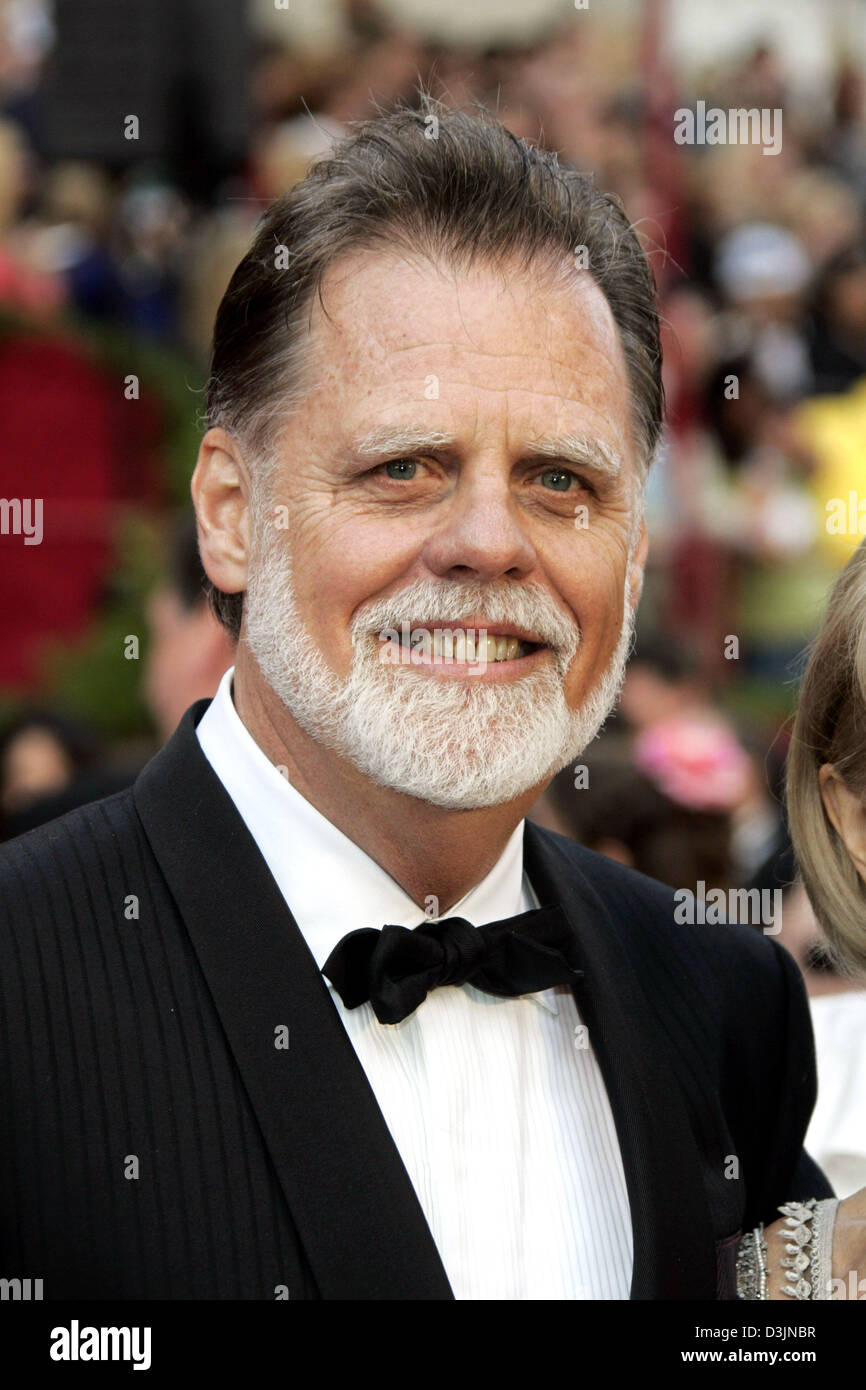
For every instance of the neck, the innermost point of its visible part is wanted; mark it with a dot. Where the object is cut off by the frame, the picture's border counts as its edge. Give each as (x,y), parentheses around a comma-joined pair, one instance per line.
(429,850)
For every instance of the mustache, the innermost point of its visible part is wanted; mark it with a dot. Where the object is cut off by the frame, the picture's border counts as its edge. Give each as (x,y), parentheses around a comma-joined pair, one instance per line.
(433,601)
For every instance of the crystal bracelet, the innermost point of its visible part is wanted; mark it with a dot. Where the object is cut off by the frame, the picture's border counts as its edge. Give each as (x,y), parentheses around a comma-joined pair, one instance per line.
(752,1276)
(808,1258)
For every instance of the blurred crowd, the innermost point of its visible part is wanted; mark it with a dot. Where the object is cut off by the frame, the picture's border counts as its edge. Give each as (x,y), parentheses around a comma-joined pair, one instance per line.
(761,267)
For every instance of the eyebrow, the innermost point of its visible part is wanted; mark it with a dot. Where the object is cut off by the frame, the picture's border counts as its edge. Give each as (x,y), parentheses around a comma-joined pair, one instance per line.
(581,450)
(400,440)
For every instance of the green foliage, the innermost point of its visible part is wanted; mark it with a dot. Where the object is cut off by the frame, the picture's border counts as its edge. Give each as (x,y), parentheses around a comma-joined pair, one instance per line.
(93,678)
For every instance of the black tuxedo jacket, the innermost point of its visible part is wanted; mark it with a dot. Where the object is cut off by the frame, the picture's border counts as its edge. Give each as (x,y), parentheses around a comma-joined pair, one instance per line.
(155,1142)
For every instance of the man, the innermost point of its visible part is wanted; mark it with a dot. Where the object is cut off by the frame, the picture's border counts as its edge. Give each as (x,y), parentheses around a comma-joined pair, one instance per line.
(230,1069)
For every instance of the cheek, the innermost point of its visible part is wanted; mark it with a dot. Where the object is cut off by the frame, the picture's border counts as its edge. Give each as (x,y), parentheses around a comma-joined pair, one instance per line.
(595,593)
(340,566)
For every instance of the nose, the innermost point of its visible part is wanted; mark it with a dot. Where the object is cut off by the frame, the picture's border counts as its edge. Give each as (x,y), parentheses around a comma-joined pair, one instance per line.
(481,535)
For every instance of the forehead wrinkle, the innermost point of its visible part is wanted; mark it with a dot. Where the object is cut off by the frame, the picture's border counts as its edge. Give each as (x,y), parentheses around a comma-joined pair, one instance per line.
(606,351)
(580,383)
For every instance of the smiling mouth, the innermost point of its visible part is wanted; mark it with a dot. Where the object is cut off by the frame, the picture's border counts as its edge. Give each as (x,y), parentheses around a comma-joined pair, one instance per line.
(452,643)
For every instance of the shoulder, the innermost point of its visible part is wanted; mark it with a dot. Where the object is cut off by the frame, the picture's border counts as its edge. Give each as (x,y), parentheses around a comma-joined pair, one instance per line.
(648,918)
(727,995)
(616,883)
(77,850)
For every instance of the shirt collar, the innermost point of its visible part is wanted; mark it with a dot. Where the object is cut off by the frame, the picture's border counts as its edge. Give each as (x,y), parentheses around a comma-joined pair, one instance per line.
(329,883)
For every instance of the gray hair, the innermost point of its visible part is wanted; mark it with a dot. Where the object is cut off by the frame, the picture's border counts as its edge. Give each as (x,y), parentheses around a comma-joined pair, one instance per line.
(436,182)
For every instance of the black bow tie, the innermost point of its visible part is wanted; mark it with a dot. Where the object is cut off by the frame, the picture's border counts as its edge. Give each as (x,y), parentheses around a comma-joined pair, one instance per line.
(396,967)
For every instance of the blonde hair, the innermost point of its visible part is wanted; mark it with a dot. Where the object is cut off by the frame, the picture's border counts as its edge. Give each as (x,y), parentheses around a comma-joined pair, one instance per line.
(830,727)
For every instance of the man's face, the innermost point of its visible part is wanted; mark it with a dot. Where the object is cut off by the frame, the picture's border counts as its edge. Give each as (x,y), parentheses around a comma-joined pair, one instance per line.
(466,454)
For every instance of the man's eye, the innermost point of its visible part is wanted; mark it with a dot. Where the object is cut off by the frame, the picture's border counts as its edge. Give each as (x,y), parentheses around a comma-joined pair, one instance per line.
(557,479)
(401,469)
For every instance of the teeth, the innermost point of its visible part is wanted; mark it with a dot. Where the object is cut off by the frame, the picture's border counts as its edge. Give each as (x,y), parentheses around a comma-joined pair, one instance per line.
(460,646)
(501,649)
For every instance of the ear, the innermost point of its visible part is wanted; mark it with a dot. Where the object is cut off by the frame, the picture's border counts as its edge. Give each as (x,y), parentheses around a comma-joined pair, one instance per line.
(636,567)
(221,497)
(847,814)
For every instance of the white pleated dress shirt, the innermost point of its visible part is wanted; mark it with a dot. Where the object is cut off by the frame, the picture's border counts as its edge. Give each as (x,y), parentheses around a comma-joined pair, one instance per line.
(502,1122)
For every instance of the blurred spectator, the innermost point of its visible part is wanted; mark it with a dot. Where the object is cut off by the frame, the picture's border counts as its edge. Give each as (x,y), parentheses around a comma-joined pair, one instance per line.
(26,285)
(763,272)
(189,650)
(75,240)
(692,753)
(38,756)
(837,326)
(662,681)
(833,428)
(610,805)
(49,764)
(152,218)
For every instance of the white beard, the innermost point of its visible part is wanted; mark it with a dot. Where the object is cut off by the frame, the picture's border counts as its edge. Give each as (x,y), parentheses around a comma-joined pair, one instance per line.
(459,744)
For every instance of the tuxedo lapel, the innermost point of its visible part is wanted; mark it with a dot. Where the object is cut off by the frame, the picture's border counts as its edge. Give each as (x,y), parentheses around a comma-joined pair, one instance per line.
(363,1230)
(674,1251)
(358,1216)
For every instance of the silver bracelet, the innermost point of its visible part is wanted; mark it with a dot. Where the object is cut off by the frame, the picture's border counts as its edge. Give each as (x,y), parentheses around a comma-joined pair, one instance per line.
(809,1247)
(752,1275)
(808,1251)
(823,1227)
(798,1247)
